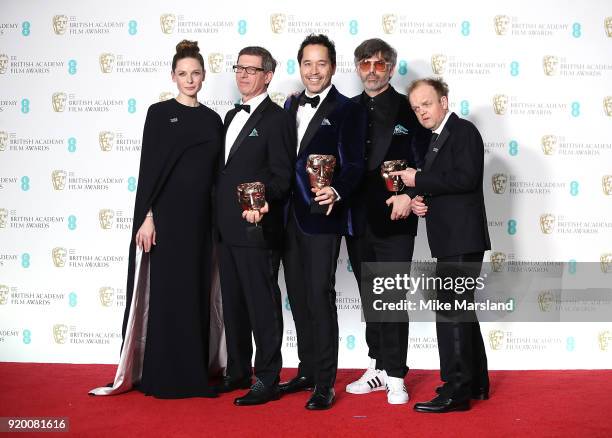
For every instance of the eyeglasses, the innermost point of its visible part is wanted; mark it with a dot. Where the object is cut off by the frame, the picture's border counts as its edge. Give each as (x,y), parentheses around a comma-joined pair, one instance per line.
(250,70)
(366,66)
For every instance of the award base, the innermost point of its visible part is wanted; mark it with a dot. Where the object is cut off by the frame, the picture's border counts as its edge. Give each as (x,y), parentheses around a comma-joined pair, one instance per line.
(316,208)
(255,233)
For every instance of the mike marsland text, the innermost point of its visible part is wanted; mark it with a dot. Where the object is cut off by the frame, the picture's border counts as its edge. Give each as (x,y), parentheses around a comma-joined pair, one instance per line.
(442,306)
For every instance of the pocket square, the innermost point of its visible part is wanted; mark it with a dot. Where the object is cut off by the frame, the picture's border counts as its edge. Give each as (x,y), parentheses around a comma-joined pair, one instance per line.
(254,133)
(325,122)
(399,130)
(174,120)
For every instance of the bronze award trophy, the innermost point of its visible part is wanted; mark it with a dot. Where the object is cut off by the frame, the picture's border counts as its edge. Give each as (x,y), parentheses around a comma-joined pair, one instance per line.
(320,170)
(252,196)
(393,183)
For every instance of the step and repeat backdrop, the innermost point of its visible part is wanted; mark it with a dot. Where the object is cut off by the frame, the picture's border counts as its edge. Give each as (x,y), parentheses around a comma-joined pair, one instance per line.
(76,79)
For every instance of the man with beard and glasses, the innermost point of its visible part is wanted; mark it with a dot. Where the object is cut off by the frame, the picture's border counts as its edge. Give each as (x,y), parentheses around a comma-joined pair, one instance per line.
(384,228)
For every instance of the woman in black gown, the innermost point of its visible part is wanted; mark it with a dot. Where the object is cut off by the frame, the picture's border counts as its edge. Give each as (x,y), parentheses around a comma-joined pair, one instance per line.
(172,222)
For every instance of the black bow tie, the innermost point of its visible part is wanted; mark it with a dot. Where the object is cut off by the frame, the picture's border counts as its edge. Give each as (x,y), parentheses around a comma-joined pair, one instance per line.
(239,107)
(313,101)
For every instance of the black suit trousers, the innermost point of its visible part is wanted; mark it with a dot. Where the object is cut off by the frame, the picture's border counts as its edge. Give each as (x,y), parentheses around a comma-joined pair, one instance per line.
(387,341)
(251,304)
(463,359)
(310,264)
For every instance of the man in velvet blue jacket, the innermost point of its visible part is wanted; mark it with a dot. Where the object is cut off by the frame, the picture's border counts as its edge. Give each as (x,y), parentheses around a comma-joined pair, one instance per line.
(328,123)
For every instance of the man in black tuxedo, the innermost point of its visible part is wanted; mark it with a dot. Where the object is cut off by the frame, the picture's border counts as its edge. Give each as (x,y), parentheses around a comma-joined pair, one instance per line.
(259,146)
(453,203)
(384,227)
(328,123)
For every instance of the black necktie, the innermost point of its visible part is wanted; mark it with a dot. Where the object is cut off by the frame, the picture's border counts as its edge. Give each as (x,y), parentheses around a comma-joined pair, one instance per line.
(313,101)
(239,107)
(430,151)
(433,139)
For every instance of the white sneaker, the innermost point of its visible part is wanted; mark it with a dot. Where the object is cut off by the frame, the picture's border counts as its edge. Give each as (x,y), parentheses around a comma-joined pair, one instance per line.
(371,380)
(396,391)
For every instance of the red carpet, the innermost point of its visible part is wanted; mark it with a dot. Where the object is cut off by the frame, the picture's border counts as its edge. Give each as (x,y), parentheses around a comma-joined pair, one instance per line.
(523,403)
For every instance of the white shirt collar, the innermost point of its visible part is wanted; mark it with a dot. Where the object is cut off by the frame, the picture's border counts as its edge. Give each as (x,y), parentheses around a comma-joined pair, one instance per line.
(441,127)
(255,101)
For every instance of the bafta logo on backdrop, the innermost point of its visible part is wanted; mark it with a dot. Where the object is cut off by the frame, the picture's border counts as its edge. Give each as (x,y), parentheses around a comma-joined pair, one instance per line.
(605,263)
(608,26)
(500,103)
(496,339)
(4,294)
(278,23)
(60,24)
(106,295)
(549,144)
(605,339)
(545,300)
(3,217)
(501,23)
(58,255)
(58,178)
(278,98)
(607,103)
(107,62)
(547,223)
(3,140)
(438,63)
(106,140)
(215,62)
(59,101)
(606,184)
(499,182)
(4,59)
(551,65)
(389,23)
(60,333)
(167,22)
(165,95)
(497,261)
(105,216)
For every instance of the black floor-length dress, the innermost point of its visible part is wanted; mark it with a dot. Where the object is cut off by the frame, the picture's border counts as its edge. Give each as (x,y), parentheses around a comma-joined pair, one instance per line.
(180,150)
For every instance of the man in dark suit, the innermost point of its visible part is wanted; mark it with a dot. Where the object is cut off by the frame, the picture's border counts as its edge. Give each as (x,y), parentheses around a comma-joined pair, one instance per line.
(328,123)
(453,203)
(384,227)
(259,147)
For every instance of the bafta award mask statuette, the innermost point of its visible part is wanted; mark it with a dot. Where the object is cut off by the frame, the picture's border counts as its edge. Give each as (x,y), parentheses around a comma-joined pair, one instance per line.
(320,169)
(252,197)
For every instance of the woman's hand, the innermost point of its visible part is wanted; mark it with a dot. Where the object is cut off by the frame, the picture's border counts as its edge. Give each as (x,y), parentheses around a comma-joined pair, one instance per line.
(145,237)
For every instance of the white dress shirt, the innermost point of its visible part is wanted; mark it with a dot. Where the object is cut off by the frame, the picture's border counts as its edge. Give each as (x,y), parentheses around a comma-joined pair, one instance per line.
(304,116)
(306,113)
(239,121)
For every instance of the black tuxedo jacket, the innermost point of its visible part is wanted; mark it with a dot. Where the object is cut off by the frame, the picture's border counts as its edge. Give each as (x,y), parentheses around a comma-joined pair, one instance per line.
(451,180)
(337,128)
(403,138)
(264,151)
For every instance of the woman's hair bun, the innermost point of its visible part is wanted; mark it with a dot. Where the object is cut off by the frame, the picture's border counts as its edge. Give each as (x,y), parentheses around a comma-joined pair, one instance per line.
(187,46)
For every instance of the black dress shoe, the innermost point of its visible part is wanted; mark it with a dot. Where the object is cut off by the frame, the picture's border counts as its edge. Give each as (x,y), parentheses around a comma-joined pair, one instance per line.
(322,398)
(480,394)
(441,405)
(298,383)
(229,384)
(258,395)
(477,393)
